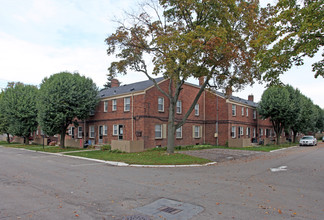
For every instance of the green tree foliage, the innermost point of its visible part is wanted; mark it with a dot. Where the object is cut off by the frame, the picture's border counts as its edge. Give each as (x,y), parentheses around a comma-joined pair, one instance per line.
(4,122)
(295,31)
(189,38)
(276,104)
(18,106)
(65,97)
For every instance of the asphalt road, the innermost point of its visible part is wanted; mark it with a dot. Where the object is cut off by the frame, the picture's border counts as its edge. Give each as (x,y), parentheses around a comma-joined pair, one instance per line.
(40,186)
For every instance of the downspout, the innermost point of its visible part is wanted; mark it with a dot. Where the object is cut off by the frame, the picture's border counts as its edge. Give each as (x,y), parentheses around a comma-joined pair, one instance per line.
(132,116)
(204,117)
(217,120)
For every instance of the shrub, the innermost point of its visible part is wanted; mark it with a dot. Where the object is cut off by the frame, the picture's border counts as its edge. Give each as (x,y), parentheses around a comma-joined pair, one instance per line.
(106,147)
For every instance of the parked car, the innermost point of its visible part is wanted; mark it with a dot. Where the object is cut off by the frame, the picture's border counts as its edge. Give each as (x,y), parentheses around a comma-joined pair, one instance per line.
(308,141)
(323,139)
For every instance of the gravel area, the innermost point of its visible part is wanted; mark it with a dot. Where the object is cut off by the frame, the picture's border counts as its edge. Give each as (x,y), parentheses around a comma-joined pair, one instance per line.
(221,155)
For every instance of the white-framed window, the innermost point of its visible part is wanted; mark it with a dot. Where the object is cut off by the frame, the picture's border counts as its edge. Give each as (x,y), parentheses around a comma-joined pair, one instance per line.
(105,130)
(105,106)
(179,132)
(254,114)
(79,132)
(242,111)
(115,130)
(127,104)
(179,106)
(160,104)
(37,132)
(197,131)
(114,105)
(197,109)
(158,131)
(91,131)
(92,112)
(261,132)
(247,112)
(241,131)
(254,133)
(233,110)
(248,132)
(233,133)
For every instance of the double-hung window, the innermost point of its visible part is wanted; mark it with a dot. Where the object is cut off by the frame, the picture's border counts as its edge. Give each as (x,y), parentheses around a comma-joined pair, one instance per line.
(247,112)
(158,131)
(91,132)
(114,105)
(115,129)
(127,104)
(161,104)
(179,132)
(179,107)
(105,106)
(79,132)
(105,130)
(197,131)
(233,110)
(254,114)
(233,133)
(242,111)
(197,109)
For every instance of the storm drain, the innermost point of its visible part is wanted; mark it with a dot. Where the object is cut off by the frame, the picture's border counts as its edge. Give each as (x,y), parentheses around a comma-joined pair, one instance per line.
(169,210)
(137,217)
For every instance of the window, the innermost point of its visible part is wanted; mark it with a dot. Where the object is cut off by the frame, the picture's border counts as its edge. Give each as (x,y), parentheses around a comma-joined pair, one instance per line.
(179,132)
(105,130)
(197,109)
(242,111)
(127,104)
(247,112)
(92,112)
(233,110)
(115,129)
(248,132)
(114,105)
(241,131)
(233,133)
(179,107)
(79,132)
(161,104)
(261,132)
(254,114)
(197,131)
(253,132)
(105,106)
(91,132)
(158,131)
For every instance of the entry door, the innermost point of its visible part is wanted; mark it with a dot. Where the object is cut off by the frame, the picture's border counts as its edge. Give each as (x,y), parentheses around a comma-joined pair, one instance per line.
(120,132)
(100,134)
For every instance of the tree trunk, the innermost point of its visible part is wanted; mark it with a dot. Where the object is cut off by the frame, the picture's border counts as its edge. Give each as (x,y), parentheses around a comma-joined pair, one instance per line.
(26,140)
(8,138)
(294,137)
(171,129)
(62,142)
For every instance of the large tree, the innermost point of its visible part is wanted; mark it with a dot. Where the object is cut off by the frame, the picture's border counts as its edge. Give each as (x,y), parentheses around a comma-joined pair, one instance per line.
(4,122)
(64,98)
(189,38)
(295,31)
(18,106)
(276,105)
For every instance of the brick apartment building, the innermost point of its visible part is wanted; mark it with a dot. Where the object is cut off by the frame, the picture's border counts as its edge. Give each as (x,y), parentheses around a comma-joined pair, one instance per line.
(136,115)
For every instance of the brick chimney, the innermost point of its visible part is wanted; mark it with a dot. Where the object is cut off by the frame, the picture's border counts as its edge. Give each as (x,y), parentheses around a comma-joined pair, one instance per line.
(201,80)
(251,98)
(114,83)
(228,91)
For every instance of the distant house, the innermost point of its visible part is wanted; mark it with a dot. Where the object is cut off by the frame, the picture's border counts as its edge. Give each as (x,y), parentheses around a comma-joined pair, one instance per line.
(136,115)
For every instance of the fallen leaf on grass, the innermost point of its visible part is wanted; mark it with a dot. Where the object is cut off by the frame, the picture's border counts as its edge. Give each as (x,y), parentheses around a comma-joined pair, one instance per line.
(279,211)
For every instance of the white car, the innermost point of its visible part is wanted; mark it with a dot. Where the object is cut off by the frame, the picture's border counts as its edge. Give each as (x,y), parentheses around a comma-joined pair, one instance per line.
(308,141)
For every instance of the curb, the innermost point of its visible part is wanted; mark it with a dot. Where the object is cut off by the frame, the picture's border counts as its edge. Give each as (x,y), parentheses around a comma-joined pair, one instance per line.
(119,164)
(283,149)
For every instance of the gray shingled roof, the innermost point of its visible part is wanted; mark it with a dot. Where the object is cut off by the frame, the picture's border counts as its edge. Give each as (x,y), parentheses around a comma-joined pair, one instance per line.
(124,89)
(239,100)
(141,86)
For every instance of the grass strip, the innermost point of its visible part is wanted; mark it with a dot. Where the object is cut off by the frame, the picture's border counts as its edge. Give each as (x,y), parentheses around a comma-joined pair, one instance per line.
(51,149)
(144,158)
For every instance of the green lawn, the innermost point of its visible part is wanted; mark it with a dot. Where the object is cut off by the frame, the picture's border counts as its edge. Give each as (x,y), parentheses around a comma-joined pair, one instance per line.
(145,158)
(51,149)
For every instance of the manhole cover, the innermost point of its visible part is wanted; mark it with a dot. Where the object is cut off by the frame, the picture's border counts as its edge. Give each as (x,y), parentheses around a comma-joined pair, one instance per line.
(169,210)
(137,217)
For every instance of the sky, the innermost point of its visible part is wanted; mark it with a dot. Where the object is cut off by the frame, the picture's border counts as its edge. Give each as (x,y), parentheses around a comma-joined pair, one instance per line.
(39,38)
